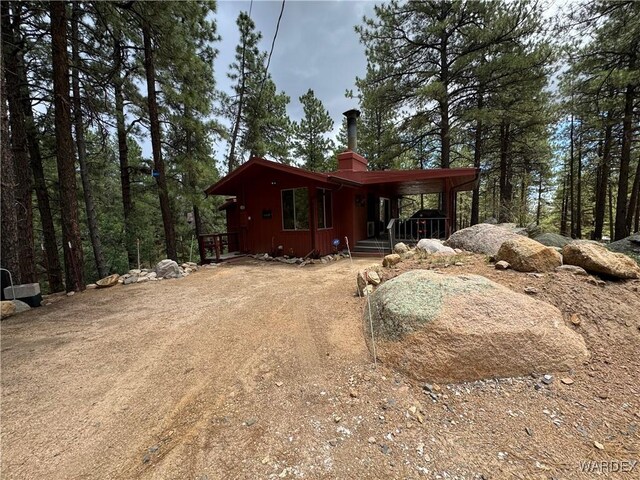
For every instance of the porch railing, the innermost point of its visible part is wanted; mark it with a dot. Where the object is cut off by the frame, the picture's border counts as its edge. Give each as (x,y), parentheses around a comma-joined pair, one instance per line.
(213,245)
(413,229)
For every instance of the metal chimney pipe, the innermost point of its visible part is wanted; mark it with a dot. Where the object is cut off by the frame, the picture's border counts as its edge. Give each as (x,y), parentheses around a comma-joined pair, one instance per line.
(352,135)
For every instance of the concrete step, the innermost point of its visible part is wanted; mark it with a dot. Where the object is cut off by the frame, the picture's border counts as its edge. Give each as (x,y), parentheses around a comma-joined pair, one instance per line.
(372,247)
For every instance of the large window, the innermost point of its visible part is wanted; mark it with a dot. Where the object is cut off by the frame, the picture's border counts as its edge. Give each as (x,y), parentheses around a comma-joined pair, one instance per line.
(295,209)
(325,213)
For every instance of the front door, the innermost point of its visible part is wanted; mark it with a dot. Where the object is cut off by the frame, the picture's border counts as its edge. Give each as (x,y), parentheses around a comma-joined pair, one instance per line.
(385,214)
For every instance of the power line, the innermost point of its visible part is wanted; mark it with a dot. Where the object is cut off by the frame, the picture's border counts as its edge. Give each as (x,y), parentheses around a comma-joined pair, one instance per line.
(273,43)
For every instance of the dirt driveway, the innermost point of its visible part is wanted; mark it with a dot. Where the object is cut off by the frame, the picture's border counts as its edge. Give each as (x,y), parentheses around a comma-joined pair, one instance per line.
(157,379)
(259,370)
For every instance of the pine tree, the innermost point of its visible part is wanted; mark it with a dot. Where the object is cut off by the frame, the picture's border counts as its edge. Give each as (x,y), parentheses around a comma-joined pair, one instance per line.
(9,224)
(311,143)
(257,112)
(81,148)
(20,152)
(605,70)
(72,245)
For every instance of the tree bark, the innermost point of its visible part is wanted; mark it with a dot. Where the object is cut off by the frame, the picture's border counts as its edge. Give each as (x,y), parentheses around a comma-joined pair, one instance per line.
(636,223)
(631,211)
(72,244)
(92,221)
(603,179)
(578,222)
(123,156)
(51,256)
(477,162)
(20,151)
(9,224)
(563,209)
(539,207)
(445,139)
(621,230)
(197,221)
(161,180)
(611,220)
(506,187)
(572,181)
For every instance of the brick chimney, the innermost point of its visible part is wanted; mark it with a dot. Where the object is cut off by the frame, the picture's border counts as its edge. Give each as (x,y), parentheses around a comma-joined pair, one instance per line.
(349,159)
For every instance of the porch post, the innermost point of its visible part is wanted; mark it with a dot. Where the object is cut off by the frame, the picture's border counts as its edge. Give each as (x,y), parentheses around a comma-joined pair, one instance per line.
(313,204)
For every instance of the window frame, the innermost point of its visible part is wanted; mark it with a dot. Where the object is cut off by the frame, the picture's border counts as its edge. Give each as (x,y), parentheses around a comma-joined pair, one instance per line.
(324,208)
(294,229)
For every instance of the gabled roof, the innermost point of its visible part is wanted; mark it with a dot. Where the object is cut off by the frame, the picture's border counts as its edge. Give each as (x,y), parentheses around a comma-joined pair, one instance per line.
(404,182)
(226,184)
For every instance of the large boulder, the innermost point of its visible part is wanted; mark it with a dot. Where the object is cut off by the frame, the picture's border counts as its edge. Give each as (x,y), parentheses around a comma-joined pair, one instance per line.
(7,308)
(167,269)
(595,258)
(629,246)
(552,239)
(481,238)
(433,246)
(109,281)
(444,328)
(526,255)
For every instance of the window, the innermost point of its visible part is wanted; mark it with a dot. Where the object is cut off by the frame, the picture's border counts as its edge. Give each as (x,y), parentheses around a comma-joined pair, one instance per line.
(295,209)
(325,212)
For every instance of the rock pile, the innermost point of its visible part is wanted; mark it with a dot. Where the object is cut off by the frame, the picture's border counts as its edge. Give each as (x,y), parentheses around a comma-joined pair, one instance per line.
(301,262)
(368,279)
(165,269)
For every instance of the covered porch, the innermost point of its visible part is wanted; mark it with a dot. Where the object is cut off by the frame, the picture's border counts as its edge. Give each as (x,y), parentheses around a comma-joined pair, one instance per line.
(391,218)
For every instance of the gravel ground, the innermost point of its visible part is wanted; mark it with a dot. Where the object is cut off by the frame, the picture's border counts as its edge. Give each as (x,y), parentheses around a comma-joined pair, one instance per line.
(260,370)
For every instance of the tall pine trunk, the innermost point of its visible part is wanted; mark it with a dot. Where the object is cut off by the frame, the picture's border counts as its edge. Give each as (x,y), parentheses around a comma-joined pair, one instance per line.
(232,163)
(506,187)
(611,219)
(633,201)
(72,245)
(539,206)
(191,176)
(19,150)
(578,222)
(603,179)
(572,180)
(158,163)
(477,162)
(51,255)
(9,219)
(123,155)
(92,221)
(636,223)
(563,209)
(621,230)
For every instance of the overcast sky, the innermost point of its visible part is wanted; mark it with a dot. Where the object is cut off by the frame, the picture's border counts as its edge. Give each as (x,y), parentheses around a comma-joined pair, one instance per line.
(317,47)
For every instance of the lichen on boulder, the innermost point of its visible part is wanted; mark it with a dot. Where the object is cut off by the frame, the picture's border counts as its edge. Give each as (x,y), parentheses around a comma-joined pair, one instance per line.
(448,328)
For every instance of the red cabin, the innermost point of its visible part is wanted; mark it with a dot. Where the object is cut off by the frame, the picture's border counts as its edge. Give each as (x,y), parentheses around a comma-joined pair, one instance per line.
(283,210)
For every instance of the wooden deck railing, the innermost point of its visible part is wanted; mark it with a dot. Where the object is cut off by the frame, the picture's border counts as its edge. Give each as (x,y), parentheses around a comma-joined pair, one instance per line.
(414,229)
(213,245)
